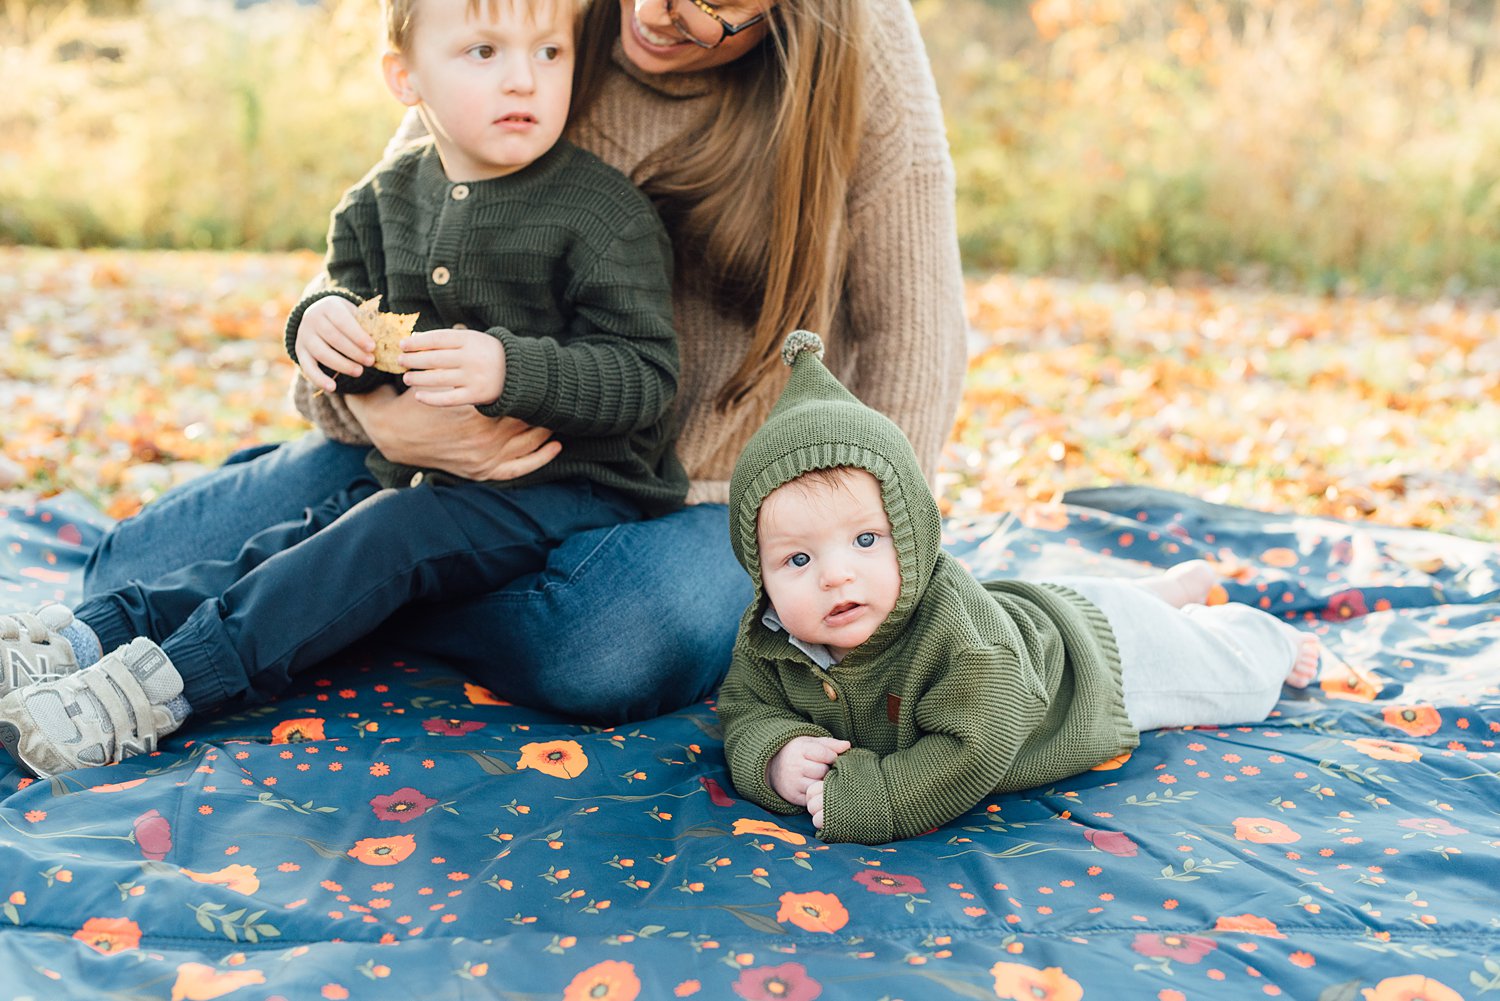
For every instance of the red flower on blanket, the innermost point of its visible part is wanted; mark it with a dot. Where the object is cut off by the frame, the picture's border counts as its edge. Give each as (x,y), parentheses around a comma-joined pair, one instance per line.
(1019,982)
(716,793)
(297,731)
(402,805)
(611,980)
(814,911)
(1418,721)
(108,935)
(562,759)
(1412,987)
(383,851)
(888,882)
(1346,605)
(153,835)
(787,982)
(451,727)
(1182,948)
(1264,831)
(1112,842)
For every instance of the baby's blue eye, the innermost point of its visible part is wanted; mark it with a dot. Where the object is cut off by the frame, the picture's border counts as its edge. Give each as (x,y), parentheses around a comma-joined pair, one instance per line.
(865,540)
(799,559)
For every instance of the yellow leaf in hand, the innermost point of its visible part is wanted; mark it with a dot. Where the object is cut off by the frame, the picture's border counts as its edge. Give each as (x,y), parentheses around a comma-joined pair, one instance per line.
(389,330)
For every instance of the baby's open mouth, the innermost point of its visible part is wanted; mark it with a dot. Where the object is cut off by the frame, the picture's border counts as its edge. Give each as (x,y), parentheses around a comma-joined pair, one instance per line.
(521,117)
(842,608)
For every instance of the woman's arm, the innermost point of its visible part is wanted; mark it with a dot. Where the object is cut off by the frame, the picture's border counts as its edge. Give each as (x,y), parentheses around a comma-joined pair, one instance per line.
(457,440)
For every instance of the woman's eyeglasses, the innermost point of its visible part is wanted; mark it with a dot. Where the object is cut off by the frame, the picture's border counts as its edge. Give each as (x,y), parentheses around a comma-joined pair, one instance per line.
(702,24)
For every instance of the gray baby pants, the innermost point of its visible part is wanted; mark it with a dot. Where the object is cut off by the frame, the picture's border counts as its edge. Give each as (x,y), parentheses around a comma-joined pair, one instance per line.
(1198,665)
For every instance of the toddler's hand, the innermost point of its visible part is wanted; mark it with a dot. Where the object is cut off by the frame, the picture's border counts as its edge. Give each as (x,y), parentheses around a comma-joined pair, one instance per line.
(329,335)
(815,804)
(801,762)
(452,368)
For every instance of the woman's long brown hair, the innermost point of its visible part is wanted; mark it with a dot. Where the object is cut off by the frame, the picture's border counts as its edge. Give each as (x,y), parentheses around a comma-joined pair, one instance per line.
(754,200)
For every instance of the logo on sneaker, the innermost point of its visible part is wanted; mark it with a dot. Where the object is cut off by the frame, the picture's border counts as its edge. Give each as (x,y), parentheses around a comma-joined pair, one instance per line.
(18,672)
(133,745)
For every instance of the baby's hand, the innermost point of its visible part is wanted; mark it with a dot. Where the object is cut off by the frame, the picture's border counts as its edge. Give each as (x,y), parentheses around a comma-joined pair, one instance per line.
(329,336)
(815,804)
(451,368)
(801,762)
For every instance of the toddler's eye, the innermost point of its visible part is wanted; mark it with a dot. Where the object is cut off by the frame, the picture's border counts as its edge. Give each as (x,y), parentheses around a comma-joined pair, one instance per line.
(865,540)
(482,51)
(799,559)
(549,53)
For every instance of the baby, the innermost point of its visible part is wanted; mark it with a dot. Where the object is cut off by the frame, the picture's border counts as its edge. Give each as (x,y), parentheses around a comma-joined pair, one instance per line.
(878,686)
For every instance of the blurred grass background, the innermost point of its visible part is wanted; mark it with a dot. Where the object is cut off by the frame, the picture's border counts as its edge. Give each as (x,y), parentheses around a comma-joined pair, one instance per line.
(1324,145)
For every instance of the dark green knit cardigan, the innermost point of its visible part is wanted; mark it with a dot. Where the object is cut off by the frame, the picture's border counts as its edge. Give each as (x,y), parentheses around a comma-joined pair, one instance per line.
(965,690)
(567,263)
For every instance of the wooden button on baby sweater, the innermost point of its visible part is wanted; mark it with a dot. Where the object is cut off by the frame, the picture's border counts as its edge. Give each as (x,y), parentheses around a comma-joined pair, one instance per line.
(440,275)
(828,691)
(460,192)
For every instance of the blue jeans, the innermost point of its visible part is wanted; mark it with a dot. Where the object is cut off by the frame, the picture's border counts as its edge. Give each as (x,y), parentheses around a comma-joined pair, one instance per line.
(622,623)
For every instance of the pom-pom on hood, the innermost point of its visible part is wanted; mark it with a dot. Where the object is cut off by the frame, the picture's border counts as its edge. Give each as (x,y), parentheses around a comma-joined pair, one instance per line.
(819,424)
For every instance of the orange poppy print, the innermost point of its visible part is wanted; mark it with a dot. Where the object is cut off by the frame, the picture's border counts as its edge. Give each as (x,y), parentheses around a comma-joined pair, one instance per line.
(1417,721)
(611,980)
(1343,681)
(747,826)
(383,851)
(1279,556)
(1264,831)
(1385,750)
(1249,924)
(562,759)
(297,731)
(1019,982)
(478,695)
(199,982)
(1116,762)
(815,911)
(109,935)
(239,878)
(1412,987)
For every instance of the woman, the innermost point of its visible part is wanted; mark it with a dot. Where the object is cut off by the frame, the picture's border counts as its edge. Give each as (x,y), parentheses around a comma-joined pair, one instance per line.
(796,152)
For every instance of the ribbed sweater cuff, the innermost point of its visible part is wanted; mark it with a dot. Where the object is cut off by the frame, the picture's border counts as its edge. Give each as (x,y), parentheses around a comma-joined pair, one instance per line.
(295,320)
(528,381)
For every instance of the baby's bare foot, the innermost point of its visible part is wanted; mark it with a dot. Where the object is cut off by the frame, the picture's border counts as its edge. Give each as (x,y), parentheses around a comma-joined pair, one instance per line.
(1305,668)
(1188,583)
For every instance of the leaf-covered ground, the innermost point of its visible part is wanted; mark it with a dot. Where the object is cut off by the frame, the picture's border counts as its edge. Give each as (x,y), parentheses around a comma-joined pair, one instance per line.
(127,372)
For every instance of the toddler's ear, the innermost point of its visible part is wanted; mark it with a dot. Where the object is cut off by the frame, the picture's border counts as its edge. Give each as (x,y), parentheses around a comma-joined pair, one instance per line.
(398,79)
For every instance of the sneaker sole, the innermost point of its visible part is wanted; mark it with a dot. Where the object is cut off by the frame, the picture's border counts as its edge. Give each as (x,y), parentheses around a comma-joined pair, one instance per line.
(10,739)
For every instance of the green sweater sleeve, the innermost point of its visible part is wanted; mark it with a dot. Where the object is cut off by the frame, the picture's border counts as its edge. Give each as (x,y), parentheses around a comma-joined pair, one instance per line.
(968,742)
(616,372)
(758,721)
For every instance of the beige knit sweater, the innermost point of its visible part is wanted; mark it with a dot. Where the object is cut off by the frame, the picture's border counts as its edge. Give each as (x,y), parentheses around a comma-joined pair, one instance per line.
(898,341)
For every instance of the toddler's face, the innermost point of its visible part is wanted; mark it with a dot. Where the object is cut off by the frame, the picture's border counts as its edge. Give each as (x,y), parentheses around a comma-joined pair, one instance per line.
(493,90)
(827,559)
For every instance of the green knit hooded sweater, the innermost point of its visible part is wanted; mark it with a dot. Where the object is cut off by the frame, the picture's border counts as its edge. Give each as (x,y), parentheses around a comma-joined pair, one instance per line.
(965,690)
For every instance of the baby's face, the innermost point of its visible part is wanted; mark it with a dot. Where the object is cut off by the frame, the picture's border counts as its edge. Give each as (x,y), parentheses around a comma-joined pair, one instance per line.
(827,559)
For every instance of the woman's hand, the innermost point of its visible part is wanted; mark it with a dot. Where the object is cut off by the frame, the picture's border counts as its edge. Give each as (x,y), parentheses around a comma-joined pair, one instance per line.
(457,440)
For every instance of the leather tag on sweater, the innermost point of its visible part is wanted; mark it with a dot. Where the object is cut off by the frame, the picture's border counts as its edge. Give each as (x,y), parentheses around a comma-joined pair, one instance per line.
(892,707)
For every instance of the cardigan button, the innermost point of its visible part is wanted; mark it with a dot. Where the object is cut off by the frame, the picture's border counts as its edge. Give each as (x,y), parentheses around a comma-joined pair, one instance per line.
(440,275)
(828,691)
(460,192)
(460,326)
(417,478)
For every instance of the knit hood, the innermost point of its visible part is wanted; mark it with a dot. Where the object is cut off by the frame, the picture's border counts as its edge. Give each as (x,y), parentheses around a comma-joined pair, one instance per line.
(818,424)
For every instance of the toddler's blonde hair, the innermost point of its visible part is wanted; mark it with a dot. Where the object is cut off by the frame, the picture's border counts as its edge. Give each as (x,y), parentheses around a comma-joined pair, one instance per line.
(401,15)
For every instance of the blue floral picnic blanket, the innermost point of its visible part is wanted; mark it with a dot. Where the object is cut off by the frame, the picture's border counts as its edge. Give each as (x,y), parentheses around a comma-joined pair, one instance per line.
(388,830)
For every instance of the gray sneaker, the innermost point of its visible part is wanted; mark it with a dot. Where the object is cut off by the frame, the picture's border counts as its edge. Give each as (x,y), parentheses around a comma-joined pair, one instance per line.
(110,710)
(32,647)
